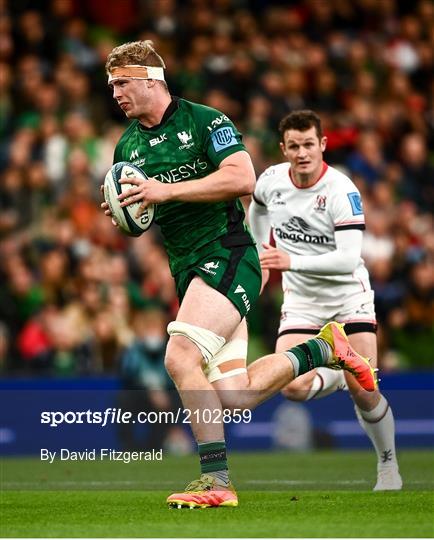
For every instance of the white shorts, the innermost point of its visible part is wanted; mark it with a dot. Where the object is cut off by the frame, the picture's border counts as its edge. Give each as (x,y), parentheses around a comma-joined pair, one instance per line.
(301,315)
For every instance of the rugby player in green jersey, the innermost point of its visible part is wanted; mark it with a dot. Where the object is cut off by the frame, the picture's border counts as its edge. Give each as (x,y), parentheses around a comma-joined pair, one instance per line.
(198,167)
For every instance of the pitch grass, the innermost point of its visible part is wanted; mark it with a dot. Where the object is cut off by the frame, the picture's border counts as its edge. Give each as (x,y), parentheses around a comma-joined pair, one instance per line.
(321,494)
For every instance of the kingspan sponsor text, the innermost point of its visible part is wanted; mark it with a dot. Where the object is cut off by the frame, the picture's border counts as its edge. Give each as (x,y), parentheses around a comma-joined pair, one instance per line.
(301,237)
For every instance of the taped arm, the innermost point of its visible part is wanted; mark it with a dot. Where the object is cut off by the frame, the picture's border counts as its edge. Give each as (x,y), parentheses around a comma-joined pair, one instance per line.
(343,260)
(259,223)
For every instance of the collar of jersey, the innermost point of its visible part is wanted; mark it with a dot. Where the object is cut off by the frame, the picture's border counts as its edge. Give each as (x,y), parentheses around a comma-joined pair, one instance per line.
(323,171)
(171,109)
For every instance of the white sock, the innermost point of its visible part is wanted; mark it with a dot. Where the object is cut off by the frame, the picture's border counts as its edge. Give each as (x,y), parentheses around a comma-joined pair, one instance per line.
(379,425)
(325,382)
(222,477)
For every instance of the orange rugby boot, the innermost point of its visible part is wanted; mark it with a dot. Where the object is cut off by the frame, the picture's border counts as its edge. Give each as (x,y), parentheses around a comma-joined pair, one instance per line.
(345,357)
(204,493)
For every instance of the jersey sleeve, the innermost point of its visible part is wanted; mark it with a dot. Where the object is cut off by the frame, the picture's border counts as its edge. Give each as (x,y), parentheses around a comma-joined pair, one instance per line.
(259,222)
(260,193)
(220,138)
(262,189)
(343,260)
(347,207)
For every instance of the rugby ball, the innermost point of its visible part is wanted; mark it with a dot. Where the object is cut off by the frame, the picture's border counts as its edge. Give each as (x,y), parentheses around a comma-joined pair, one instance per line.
(125,216)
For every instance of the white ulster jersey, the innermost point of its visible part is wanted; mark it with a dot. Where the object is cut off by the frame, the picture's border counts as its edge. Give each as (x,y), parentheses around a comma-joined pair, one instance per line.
(304,221)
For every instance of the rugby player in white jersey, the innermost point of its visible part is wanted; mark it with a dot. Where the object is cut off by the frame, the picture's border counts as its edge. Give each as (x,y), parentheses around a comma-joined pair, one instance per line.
(316,215)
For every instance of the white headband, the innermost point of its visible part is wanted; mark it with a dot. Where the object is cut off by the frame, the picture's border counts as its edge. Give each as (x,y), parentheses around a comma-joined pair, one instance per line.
(136,72)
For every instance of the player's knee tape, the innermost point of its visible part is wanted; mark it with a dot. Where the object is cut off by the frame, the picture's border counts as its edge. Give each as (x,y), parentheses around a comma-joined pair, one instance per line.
(208,343)
(229,361)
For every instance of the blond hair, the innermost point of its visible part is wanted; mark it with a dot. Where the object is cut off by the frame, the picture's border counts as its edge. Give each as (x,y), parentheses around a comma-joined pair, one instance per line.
(134,53)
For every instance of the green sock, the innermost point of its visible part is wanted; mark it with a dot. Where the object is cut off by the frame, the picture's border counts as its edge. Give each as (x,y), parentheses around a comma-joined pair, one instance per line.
(213,457)
(309,355)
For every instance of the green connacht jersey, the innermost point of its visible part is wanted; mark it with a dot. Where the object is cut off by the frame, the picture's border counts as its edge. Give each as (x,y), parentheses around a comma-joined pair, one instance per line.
(189,143)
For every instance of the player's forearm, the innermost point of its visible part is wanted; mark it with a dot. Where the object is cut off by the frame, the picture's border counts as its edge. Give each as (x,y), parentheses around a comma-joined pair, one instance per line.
(343,260)
(334,262)
(233,179)
(218,186)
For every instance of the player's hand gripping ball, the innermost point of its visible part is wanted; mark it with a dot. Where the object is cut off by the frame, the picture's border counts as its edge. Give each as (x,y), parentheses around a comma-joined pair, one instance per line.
(125,216)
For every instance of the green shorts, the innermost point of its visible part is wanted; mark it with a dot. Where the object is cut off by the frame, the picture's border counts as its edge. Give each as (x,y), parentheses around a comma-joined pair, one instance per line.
(235,272)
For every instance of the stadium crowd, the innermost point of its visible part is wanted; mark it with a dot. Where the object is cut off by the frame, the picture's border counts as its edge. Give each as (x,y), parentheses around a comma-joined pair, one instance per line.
(72,285)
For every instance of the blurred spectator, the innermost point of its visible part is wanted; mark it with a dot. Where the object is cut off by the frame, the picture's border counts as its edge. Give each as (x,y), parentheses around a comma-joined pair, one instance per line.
(325,91)
(32,36)
(389,289)
(417,179)
(110,335)
(22,295)
(4,349)
(74,42)
(13,202)
(272,87)
(412,322)
(377,240)
(53,274)
(367,161)
(78,97)
(146,386)
(53,346)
